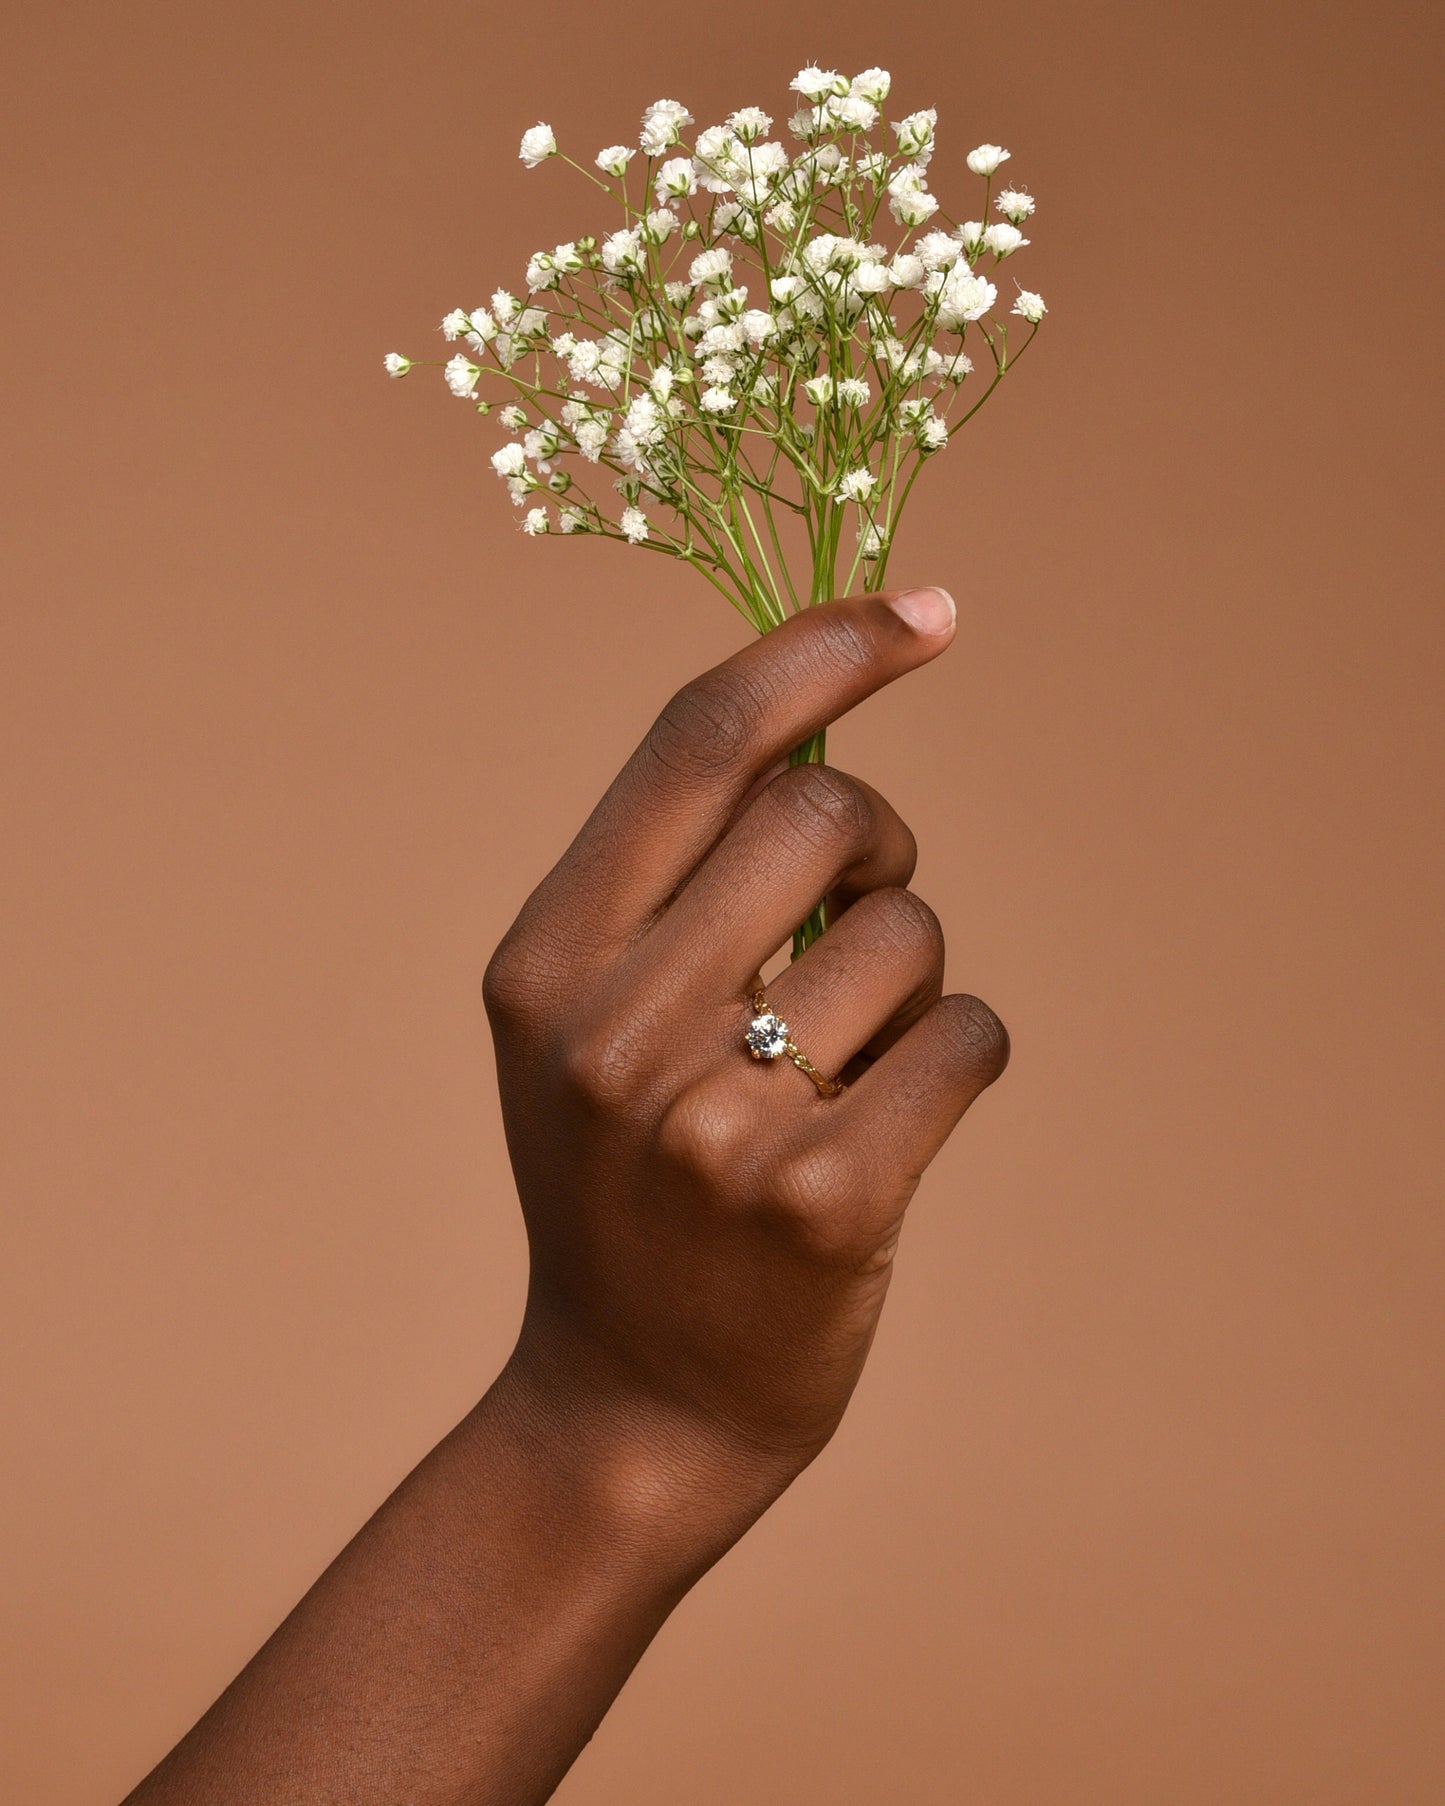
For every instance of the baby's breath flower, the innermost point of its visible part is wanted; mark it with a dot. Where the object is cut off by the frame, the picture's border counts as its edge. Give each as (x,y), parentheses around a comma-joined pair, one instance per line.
(662,125)
(826,385)
(857,485)
(675,180)
(461,374)
(915,134)
(986,159)
(749,124)
(816,84)
(872,84)
(538,144)
(711,266)
(852,113)
(1003,240)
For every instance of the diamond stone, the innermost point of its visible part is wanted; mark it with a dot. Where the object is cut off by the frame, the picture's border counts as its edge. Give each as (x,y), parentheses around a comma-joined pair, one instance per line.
(767,1036)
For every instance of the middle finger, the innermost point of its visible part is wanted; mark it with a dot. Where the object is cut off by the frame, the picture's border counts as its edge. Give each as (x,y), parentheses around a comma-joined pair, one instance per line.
(812,832)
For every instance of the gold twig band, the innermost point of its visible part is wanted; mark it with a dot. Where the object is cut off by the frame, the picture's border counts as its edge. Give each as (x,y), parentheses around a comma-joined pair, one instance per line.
(767,1038)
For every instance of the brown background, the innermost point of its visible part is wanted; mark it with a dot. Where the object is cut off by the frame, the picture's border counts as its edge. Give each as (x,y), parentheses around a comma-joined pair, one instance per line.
(1141,1497)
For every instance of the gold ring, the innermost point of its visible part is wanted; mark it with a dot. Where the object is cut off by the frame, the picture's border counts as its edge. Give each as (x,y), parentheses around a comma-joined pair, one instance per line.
(767,1038)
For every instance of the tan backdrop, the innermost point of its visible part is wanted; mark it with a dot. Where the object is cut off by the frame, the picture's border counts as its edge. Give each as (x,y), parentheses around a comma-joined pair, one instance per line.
(1141,1498)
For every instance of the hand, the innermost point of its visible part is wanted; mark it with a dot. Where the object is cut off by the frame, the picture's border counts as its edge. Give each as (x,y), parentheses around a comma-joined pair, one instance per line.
(711,1239)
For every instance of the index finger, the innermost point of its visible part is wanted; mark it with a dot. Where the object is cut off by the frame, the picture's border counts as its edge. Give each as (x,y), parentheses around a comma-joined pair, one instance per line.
(674,796)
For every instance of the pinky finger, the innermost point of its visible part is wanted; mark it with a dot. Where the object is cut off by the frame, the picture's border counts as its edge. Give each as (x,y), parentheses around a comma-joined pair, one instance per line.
(911,1099)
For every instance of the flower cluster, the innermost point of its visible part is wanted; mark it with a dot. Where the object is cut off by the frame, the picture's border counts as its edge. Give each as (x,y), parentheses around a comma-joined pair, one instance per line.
(765,351)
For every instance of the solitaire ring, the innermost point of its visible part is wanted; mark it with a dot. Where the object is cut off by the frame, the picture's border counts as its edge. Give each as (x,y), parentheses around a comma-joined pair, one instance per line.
(767,1038)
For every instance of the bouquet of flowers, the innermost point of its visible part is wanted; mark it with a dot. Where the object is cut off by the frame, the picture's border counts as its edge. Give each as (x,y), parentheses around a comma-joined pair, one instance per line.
(749,371)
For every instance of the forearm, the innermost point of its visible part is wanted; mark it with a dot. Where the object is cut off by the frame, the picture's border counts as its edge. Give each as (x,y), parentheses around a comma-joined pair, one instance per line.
(466,1643)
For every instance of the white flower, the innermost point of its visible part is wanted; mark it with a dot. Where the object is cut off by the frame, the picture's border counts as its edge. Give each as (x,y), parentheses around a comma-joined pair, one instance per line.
(962,297)
(660,387)
(537,145)
(1029,306)
(505,306)
(455,324)
(719,370)
(870,277)
(970,236)
(1015,204)
(852,113)
(395,364)
(675,180)
(662,125)
(816,84)
(937,249)
(872,540)
(591,436)
(955,368)
(758,326)
(659,226)
(807,122)
(915,134)
(986,159)
(509,460)
(536,522)
(907,271)
(542,443)
(857,485)
(1003,239)
(749,123)
(613,161)
(711,266)
(461,374)
(932,434)
(519,488)
(784,288)
(853,391)
(909,201)
(540,272)
(633,525)
(571,519)
(512,417)
(872,84)
(622,252)
(819,390)
(483,326)
(717,400)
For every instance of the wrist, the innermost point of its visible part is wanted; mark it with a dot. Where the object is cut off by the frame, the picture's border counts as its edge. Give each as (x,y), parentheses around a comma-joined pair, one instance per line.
(650,1476)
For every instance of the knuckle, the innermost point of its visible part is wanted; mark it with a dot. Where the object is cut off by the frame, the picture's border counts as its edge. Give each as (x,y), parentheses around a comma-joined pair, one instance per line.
(600,1066)
(702,1138)
(707,727)
(826,808)
(509,983)
(975,1036)
(901,921)
(818,1193)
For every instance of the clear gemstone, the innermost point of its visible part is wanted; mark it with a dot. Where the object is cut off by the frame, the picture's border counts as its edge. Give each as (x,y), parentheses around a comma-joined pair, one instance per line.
(767,1036)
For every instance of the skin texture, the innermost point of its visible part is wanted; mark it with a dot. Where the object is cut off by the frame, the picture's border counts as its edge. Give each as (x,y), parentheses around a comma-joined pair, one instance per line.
(711,1242)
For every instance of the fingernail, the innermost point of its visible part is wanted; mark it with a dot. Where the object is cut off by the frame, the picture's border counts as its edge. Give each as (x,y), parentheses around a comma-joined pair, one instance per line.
(925,610)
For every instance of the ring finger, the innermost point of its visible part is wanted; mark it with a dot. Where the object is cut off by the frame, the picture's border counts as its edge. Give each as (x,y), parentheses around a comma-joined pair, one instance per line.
(876,971)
